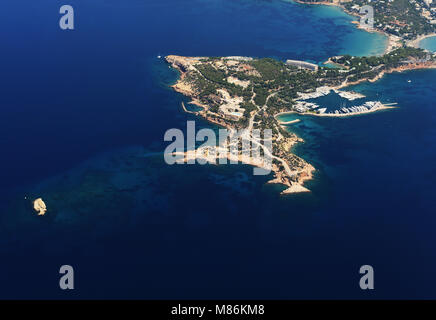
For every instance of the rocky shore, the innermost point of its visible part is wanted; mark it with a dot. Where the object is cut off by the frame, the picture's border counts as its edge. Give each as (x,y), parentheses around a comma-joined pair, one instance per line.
(412,66)
(227,110)
(288,169)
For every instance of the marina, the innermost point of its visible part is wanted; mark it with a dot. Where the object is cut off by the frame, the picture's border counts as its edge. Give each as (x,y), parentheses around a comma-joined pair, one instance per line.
(306,103)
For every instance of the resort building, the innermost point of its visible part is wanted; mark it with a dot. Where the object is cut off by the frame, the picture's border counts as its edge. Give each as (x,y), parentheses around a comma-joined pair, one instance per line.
(302,64)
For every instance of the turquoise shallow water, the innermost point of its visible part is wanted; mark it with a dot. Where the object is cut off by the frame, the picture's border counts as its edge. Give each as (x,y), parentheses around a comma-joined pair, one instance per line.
(118,212)
(327,26)
(428,43)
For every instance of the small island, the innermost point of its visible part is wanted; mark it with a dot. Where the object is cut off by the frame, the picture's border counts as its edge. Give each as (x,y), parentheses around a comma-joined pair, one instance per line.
(40,206)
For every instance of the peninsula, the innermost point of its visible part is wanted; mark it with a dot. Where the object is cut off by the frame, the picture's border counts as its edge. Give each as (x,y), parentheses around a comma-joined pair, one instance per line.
(245,93)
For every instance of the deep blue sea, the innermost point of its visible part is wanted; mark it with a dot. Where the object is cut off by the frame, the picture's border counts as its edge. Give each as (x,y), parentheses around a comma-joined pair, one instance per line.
(82,119)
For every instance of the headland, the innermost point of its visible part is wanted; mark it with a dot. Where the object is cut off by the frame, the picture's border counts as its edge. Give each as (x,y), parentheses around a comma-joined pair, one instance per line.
(244,93)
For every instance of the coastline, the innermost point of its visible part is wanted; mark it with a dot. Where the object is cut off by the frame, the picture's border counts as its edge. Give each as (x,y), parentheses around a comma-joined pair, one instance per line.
(415,42)
(292,178)
(331,115)
(301,171)
(204,154)
(416,66)
(379,76)
(288,122)
(392,42)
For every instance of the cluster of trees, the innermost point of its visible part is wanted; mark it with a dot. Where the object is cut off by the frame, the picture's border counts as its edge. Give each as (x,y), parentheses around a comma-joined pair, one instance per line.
(269,69)
(276,76)
(399,17)
(210,79)
(248,108)
(368,67)
(392,59)
(212,74)
(261,94)
(286,81)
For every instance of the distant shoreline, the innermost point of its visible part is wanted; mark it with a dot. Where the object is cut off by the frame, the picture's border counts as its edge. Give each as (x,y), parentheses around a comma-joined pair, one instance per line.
(392,41)
(382,73)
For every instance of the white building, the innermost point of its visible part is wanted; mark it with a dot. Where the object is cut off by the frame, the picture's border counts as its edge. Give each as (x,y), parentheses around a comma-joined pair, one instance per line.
(302,64)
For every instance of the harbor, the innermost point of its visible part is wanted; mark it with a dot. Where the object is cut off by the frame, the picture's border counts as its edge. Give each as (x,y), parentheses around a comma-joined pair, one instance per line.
(306,104)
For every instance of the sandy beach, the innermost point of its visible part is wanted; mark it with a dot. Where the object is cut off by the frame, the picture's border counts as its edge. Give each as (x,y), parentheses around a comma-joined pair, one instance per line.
(415,42)
(393,42)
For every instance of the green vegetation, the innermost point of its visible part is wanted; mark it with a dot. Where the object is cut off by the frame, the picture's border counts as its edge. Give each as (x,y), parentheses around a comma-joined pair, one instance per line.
(402,18)
(391,60)
(270,86)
